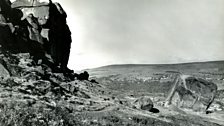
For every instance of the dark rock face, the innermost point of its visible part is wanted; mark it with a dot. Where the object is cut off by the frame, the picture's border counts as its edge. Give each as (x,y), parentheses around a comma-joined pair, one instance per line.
(194,93)
(38,28)
(15,34)
(6,38)
(59,35)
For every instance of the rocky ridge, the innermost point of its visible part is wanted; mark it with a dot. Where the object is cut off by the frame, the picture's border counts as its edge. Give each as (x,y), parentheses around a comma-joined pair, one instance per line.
(32,86)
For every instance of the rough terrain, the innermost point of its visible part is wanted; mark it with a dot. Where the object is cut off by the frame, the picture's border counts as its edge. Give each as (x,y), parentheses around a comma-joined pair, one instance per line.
(33,95)
(156,81)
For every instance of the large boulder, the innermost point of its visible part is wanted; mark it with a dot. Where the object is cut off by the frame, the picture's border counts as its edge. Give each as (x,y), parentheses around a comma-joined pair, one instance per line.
(38,28)
(192,92)
(144,103)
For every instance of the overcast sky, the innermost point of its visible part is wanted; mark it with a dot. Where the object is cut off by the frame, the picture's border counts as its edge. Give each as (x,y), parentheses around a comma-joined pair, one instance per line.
(144,31)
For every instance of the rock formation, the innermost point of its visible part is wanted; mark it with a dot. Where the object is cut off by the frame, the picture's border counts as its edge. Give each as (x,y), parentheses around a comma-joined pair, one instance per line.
(144,103)
(192,92)
(38,28)
(82,76)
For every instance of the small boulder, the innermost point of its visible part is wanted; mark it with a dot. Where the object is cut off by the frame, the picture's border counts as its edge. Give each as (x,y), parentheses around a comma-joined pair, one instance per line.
(144,103)
(82,76)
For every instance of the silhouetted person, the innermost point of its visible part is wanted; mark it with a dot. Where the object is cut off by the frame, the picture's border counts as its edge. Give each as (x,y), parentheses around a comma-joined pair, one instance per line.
(59,36)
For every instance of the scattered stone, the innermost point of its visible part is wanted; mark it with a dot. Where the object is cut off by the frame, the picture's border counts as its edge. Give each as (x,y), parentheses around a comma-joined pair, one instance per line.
(4,73)
(93,81)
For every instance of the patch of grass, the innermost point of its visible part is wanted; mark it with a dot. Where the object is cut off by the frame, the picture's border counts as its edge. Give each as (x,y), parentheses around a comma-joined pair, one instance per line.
(13,114)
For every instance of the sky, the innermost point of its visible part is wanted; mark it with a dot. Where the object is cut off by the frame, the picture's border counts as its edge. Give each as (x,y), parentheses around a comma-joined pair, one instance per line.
(108,32)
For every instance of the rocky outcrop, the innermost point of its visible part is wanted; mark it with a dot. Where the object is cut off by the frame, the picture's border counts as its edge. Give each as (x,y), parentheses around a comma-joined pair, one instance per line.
(23,81)
(26,69)
(38,28)
(192,93)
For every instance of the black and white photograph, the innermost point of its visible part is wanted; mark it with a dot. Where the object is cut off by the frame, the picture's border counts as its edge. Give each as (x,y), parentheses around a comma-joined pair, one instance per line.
(111,62)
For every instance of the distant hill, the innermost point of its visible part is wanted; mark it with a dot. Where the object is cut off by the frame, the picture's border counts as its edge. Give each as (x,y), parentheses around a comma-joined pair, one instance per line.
(211,69)
(209,64)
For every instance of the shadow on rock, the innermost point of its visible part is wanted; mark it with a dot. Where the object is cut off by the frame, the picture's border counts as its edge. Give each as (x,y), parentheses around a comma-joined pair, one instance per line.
(154,110)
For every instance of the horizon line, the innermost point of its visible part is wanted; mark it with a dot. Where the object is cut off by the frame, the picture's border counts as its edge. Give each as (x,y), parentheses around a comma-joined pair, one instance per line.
(180,63)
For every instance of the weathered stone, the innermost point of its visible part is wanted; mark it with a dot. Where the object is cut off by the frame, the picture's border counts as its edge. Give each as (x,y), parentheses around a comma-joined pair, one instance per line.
(192,92)
(4,73)
(144,103)
(39,9)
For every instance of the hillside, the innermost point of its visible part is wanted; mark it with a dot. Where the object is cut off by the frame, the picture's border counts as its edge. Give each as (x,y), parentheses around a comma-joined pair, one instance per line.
(156,80)
(34,95)
(158,76)
(211,66)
